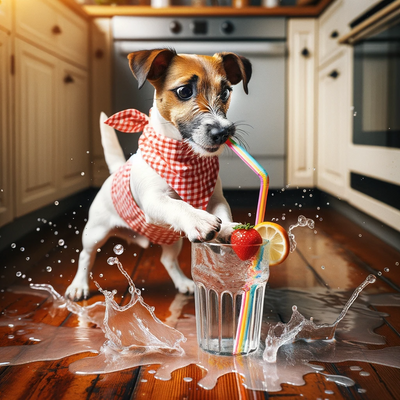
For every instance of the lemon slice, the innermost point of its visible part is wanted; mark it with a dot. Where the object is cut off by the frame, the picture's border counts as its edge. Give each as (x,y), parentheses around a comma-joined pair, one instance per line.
(279,241)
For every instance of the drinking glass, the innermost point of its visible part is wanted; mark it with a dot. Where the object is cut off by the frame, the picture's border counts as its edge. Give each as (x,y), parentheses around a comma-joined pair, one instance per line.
(229,297)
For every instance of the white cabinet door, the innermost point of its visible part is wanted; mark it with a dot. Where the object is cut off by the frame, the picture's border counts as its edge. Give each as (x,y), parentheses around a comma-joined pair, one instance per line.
(5,14)
(334,124)
(73,130)
(35,126)
(100,92)
(301,100)
(6,177)
(53,27)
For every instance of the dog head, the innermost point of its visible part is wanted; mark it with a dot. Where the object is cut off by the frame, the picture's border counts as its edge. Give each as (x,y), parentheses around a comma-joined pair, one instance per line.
(193,92)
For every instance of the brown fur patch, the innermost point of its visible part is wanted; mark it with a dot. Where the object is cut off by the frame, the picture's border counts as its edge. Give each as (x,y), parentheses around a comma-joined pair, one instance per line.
(210,73)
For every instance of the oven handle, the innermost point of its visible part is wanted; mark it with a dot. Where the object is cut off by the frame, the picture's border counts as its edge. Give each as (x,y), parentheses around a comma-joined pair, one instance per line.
(272,48)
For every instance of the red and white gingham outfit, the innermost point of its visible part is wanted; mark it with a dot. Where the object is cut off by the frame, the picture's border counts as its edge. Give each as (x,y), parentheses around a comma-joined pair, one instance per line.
(191,176)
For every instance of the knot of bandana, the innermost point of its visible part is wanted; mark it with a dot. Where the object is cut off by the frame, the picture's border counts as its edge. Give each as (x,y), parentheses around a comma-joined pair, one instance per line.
(128,121)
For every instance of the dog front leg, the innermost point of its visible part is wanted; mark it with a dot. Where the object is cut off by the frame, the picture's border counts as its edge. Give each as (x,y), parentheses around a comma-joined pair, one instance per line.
(162,209)
(219,207)
(169,258)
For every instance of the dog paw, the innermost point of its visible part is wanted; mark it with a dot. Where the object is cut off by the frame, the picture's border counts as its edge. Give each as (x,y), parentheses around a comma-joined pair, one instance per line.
(224,235)
(185,285)
(204,228)
(76,292)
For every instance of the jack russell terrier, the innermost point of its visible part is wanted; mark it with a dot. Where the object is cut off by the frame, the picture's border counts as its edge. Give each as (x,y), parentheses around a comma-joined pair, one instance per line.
(174,189)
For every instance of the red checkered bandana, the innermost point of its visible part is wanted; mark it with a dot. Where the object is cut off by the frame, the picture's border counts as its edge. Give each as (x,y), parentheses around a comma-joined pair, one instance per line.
(130,212)
(191,176)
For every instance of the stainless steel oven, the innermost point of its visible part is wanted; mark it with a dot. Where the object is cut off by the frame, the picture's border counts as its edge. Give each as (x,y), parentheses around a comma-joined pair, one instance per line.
(261,113)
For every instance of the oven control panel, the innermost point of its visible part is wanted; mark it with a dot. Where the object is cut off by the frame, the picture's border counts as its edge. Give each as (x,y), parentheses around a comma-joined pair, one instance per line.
(154,28)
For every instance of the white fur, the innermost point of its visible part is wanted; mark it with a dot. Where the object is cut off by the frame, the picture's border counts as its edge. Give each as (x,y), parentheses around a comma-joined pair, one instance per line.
(160,204)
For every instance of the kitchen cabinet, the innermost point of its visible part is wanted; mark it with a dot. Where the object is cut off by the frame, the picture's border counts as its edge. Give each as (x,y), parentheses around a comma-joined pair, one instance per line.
(46,108)
(6,204)
(73,144)
(332,24)
(100,92)
(334,124)
(5,15)
(301,102)
(51,114)
(35,127)
(54,27)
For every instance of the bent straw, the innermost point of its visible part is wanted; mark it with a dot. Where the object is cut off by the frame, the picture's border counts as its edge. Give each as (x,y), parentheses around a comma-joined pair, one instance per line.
(247,299)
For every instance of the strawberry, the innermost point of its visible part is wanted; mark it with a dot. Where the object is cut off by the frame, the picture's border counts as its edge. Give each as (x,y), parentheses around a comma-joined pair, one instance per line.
(243,240)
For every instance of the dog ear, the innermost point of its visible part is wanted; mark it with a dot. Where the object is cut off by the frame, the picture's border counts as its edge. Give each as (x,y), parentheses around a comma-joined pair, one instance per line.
(237,68)
(150,64)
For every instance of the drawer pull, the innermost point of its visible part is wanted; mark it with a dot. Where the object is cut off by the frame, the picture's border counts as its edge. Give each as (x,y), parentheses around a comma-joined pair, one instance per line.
(334,74)
(56,30)
(334,34)
(69,79)
(99,53)
(305,52)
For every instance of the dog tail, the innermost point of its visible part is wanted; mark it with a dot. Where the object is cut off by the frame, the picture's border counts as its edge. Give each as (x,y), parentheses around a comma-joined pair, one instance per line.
(113,153)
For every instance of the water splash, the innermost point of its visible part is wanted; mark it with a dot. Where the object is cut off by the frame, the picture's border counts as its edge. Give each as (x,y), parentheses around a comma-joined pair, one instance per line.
(302,221)
(300,328)
(121,343)
(135,325)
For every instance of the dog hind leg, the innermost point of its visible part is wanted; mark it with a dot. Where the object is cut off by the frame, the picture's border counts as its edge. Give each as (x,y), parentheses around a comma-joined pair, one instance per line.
(169,258)
(93,238)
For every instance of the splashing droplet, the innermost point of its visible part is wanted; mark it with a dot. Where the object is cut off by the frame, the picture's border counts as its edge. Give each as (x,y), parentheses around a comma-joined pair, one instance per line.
(118,249)
(302,221)
(112,260)
(49,269)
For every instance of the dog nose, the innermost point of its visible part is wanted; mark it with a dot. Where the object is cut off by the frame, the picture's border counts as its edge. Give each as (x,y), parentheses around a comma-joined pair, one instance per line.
(219,135)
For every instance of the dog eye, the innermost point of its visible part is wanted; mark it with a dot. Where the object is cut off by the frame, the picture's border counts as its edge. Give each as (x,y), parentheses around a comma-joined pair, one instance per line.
(184,92)
(225,95)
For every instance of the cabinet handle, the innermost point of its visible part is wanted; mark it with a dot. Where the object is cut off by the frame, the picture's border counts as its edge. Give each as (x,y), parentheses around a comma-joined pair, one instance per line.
(99,53)
(305,52)
(334,74)
(56,30)
(334,34)
(69,79)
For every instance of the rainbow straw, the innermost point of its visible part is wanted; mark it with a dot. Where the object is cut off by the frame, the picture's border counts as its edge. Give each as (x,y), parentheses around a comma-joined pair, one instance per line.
(248,296)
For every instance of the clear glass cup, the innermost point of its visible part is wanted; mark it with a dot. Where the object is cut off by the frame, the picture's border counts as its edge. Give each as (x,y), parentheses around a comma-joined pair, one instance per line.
(229,297)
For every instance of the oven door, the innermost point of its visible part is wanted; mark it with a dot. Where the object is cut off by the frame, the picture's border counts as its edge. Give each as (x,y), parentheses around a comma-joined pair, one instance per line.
(260,115)
(374,158)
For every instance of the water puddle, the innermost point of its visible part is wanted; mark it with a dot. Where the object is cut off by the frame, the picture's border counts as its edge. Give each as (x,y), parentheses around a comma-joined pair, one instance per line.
(131,335)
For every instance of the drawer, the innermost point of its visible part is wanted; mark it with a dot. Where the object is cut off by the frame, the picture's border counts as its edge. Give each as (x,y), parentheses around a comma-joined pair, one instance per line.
(54,27)
(332,25)
(73,40)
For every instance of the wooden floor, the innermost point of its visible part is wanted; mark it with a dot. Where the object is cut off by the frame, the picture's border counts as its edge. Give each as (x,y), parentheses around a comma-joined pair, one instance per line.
(348,252)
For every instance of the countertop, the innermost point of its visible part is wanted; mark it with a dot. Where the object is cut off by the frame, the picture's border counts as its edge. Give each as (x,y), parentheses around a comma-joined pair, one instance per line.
(93,11)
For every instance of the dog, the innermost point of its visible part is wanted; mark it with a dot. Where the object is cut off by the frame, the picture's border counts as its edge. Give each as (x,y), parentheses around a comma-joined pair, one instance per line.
(192,96)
